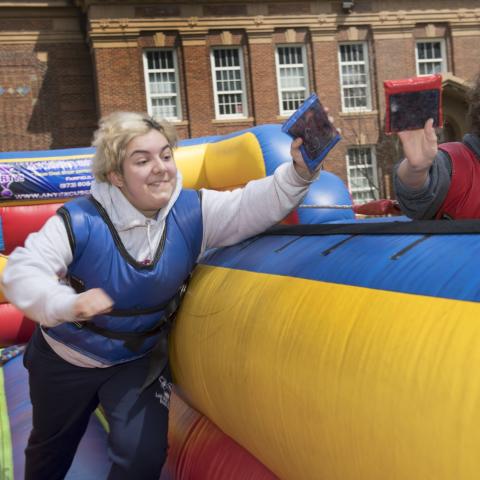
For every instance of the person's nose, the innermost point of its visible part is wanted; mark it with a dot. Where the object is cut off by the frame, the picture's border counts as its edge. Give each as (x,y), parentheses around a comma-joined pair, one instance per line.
(158,165)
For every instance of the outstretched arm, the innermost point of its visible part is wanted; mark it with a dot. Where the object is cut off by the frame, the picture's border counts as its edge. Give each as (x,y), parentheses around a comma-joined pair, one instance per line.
(230,217)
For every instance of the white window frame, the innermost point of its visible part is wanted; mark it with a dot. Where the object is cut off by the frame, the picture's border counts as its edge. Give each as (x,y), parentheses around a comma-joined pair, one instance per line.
(442,60)
(305,89)
(367,85)
(217,93)
(374,190)
(150,95)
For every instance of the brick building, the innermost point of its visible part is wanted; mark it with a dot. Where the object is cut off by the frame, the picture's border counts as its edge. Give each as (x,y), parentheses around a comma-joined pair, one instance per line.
(215,67)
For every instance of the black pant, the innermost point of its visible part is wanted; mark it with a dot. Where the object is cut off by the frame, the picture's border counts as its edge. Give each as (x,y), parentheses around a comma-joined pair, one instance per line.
(63,398)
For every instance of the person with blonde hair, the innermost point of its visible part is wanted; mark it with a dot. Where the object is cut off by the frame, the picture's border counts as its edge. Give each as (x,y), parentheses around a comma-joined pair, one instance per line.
(103,279)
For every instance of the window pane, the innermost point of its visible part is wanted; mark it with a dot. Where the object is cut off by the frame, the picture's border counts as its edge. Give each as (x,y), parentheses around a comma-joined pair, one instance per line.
(354,77)
(230,104)
(292,100)
(362,177)
(429,68)
(429,58)
(226,58)
(164,107)
(229,87)
(352,53)
(355,97)
(162,84)
(292,78)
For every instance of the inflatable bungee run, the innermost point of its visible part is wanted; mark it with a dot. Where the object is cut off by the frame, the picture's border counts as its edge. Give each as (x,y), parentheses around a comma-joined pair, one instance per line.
(331,347)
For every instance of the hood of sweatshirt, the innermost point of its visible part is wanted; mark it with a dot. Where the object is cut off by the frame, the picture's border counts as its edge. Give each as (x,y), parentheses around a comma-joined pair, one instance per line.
(122,213)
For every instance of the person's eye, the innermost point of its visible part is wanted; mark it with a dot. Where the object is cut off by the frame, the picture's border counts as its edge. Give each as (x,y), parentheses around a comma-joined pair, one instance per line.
(141,161)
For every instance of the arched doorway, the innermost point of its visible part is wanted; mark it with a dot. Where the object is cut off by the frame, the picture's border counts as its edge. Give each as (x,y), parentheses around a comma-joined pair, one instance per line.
(455,106)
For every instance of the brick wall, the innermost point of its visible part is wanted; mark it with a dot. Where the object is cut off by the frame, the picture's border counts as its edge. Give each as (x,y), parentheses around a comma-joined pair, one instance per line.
(466,56)
(264,84)
(198,86)
(47,97)
(120,81)
(326,77)
(53,92)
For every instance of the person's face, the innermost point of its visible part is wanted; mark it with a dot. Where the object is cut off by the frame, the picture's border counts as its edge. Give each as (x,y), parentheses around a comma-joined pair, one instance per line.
(149,173)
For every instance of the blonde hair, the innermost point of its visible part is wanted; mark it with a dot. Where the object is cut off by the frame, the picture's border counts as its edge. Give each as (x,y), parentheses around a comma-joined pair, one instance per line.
(115,132)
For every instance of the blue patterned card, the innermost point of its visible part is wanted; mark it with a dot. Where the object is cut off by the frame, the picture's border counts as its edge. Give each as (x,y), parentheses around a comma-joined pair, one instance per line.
(311,123)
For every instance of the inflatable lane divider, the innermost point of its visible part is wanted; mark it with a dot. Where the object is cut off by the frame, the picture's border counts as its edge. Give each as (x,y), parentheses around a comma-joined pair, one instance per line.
(339,366)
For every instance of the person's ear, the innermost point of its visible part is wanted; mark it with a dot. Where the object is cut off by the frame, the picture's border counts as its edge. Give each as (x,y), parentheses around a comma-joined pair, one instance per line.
(115,178)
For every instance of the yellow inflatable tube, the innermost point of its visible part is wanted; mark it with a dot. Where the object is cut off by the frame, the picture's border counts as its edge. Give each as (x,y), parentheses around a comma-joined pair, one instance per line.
(221,165)
(321,379)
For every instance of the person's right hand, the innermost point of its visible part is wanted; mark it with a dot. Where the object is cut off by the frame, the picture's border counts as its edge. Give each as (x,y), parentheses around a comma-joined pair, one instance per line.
(92,302)
(420,146)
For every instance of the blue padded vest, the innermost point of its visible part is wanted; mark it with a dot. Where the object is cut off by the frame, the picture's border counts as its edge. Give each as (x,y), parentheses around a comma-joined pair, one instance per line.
(140,292)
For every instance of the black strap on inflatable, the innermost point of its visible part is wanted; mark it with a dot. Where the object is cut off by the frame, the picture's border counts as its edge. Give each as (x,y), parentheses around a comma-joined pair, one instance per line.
(414,227)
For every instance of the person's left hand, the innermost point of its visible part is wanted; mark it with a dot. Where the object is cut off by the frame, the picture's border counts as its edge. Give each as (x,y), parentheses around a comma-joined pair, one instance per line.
(299,163)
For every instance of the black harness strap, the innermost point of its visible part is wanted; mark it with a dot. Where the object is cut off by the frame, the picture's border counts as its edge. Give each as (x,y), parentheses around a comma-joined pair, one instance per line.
(79,286)
(134,340)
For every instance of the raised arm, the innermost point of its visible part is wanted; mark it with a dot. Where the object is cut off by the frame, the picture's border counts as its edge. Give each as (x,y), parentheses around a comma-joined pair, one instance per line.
(420,148)
(230,217)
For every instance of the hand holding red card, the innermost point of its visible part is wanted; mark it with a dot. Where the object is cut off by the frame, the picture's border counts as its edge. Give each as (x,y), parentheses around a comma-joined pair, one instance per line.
(410,102)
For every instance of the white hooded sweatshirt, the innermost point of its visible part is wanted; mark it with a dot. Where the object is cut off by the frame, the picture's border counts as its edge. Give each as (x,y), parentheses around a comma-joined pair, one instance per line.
(32,279)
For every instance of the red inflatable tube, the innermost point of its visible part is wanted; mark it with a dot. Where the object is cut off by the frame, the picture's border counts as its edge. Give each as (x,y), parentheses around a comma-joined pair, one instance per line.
(198,450)
(15,328)
(18,221)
